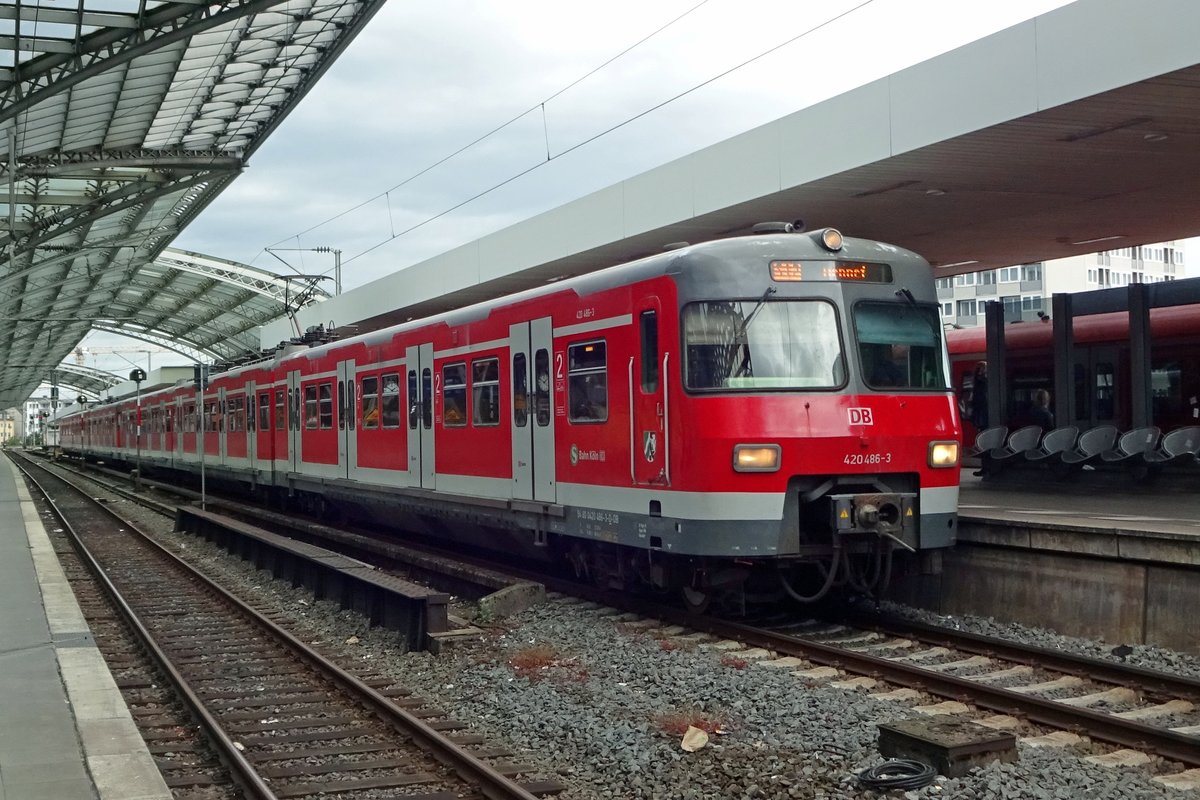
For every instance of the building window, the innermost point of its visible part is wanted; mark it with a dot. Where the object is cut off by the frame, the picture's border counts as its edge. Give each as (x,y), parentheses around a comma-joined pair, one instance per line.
(1031,272)
(987,278)
(1010,274)
(1031,303)
(945,283)
(947,309)
(966,308)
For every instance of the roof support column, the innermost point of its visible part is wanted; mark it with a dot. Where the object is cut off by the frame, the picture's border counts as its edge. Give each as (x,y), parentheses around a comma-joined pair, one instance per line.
(1063,320)
(1140,407)
(997,359)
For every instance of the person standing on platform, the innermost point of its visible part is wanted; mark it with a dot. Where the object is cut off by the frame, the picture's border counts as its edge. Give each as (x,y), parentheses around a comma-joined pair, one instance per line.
(979,400)
(1041,414)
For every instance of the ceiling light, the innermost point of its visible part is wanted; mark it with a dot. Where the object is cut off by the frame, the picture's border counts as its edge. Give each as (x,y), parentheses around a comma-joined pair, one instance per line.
(1156,137)
(934,192)
(957,264)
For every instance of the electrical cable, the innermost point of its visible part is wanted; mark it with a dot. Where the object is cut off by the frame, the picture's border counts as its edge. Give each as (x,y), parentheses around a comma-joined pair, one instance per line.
(897,773)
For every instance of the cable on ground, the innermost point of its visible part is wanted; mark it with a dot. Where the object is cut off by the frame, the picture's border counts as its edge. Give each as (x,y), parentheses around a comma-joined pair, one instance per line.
(897,773)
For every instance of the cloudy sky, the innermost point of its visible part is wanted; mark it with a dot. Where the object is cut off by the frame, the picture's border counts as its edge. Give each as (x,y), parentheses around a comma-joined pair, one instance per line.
(591,94)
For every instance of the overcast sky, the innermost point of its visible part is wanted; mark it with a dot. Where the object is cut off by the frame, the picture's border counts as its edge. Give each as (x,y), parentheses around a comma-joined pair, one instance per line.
(426,79)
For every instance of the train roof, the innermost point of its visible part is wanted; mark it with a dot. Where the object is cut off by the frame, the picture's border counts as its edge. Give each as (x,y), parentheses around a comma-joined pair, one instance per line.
(1091,329)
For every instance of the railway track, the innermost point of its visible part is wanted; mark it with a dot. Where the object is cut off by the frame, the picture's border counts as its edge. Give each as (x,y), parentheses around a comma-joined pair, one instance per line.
(277,720)
(1116,703)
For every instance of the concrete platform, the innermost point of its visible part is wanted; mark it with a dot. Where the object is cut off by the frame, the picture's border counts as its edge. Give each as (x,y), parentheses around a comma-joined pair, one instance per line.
(1094,556)
(65,731)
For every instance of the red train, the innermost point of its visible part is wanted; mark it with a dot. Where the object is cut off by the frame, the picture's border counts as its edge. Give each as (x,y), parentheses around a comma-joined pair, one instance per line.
(752,407)
(1101,368)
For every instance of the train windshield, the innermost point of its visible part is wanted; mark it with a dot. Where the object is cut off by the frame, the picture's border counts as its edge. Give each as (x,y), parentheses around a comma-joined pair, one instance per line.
(752,345)
(900,346)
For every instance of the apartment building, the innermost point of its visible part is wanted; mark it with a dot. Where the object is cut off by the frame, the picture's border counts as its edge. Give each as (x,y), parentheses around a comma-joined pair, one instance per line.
(1025,290)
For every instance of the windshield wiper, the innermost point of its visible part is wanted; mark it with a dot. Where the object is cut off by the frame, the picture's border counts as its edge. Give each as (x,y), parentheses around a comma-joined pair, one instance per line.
(754,312)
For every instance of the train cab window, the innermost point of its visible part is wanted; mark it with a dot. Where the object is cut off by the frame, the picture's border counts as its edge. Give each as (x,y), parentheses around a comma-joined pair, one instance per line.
(264,411)
(414,402)
(370,403)
(541,387)
(310,408)
(520,376)
(755,345)
(587,382)
(280,409)
(454,395)
(326,406)
(485,391)
(900,345)
(648,322)
(391,400)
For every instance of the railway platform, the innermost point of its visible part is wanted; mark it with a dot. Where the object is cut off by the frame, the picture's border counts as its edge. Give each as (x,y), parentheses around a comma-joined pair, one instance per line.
(1097,557)
(65,731)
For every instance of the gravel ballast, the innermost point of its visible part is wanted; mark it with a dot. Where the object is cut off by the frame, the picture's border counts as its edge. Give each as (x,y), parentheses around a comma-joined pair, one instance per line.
(602,704)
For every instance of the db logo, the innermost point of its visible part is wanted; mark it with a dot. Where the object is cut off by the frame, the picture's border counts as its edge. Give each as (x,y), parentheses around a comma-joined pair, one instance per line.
(860,416)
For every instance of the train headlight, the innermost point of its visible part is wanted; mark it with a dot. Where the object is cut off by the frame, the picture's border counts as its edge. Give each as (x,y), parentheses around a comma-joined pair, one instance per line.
(831,239)
(756,457)
(943,454)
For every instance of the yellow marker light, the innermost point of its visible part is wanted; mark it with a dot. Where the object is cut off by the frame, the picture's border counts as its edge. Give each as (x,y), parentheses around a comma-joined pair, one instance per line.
(831,238)
(943,454)
(756,457)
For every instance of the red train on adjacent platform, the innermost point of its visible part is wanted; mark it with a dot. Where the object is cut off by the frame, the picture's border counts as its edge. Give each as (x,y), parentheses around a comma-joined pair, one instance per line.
(1101,368)
(749,408)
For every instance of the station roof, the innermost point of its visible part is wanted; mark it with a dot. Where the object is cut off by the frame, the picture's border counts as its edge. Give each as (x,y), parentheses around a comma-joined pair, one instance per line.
(119,121)
(1073,132)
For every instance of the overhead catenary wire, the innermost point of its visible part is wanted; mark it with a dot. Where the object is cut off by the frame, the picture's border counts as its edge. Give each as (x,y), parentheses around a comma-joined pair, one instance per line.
(551,158)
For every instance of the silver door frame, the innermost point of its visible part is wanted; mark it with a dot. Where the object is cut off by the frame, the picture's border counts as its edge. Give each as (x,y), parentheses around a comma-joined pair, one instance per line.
(545,486)
(522,436)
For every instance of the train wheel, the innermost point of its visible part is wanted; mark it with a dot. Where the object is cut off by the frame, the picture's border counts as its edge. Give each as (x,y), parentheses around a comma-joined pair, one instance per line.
(696,601)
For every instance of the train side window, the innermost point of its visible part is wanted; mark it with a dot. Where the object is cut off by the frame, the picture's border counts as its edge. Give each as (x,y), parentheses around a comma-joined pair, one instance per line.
(264,411)
(391,400)
(454,395)
(370,403)
(326,406)
(310,407)
(520,377)
(587,382)
(1105,387)
(427,393)
(649,327)
(236,413)
(414,402)
(485,391)
(541,387)
(280,409)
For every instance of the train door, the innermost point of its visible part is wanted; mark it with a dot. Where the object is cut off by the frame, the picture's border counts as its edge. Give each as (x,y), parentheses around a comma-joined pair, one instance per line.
(647,400)
(250,417)
(1104,397)
(530,352)
(281,430)
(347,418)
(419,372)
(222,426)
(294,455)
(264,435)
(521,364)
(545,381)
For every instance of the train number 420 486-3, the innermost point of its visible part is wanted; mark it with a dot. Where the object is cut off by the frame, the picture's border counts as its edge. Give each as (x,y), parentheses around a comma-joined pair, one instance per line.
(854,459)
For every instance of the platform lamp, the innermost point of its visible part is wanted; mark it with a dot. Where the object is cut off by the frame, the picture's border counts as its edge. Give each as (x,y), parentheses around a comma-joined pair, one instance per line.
(137,376)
